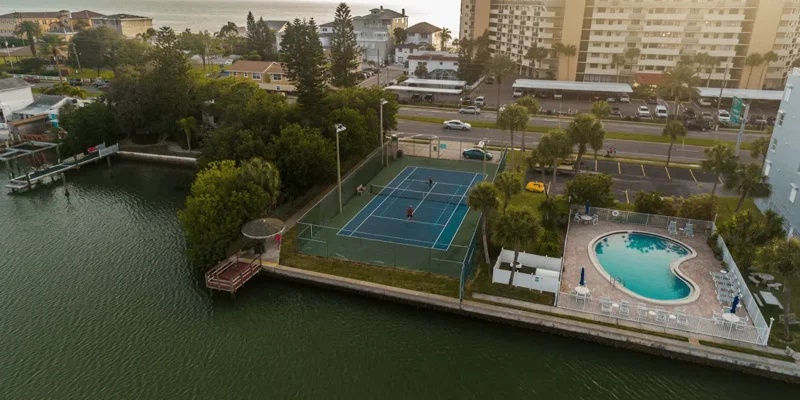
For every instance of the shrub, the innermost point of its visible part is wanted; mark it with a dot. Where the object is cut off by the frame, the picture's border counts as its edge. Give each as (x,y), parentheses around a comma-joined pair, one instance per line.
(701,206)
(549,244)
(594,188)
(648,203)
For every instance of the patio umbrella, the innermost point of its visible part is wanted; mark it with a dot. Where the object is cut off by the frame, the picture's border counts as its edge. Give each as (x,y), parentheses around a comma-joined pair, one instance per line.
(587,207)
(582,283)
(734,304)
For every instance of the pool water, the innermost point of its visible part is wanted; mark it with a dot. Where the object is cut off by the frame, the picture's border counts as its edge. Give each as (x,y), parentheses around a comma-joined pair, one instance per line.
(641,262)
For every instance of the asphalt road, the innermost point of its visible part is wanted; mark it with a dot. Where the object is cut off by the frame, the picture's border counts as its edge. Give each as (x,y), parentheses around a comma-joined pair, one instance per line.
(387,74)
(552,122)
(625,148)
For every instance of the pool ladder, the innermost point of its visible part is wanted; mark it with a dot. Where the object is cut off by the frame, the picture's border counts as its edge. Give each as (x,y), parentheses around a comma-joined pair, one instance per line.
(618,281)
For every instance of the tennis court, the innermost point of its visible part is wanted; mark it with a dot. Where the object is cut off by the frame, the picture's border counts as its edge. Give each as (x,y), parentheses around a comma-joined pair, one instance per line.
(438,208)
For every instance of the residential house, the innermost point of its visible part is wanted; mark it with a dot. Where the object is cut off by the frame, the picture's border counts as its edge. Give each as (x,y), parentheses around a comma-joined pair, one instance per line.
(782,165)
(48,21)
(440,64)
(15,94)
(269,75)
(44,105)
(424,33)
(402,51)
(33,128)
(126,24)
(280,29)
(373,33)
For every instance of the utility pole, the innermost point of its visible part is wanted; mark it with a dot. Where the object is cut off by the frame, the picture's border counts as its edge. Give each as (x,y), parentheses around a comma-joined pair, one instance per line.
(719,99)
(8,55)
(379,67)
(741,128)
(75,51)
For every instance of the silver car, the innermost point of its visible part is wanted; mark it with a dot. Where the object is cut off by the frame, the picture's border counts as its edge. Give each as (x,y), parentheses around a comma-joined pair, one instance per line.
(457,125)
(470,110)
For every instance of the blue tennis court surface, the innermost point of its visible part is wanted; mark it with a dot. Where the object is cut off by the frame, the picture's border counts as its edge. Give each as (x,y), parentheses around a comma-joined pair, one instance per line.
(439,208)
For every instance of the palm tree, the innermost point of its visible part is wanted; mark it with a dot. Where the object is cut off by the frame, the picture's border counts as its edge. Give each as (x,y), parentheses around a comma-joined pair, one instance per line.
(53,46)
(228,32)
(532,106)
(456,43)
(568,51)
(499,66)
(151,33)
(421,71)
(632,54)
(581,130)
(617,61)
(748,180)
(673,131)
(538,159)
(720,160)
(189,126)
(536,55)
(680,81)
(400,35)
(782,258)
(752,61)
(705,59)
(759,148)
(508,184)
(515,229)
(483,198)
(553,147)
(513,119)
(444,36)
(768,58)
(30,30)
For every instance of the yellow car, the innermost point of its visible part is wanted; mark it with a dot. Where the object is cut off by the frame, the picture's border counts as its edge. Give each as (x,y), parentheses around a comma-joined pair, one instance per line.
(535,187)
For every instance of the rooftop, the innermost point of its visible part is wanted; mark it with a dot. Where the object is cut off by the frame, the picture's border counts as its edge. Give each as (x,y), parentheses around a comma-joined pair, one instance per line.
(747,94)
(122,16)
(434,56)
(32,15)
(574,86)
(433,82)
(12,83)
(382,13)
(327,24)
(423,27)
(41,104)
(86,14)
(276,25)
(250,66)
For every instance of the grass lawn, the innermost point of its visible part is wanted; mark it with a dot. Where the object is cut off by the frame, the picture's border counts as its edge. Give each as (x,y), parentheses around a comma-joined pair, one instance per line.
(726,207)
(747,351)
(405,279)
(89,73)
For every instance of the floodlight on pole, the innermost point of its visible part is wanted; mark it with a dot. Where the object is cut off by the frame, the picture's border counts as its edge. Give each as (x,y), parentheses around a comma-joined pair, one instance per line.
(339,128)
(382,138)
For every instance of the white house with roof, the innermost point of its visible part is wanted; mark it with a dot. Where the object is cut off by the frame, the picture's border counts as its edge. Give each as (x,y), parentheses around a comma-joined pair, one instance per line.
(45,104)
(424,33)
(15,94)
(439,64)
(373,33)
(401,52)
(280,29)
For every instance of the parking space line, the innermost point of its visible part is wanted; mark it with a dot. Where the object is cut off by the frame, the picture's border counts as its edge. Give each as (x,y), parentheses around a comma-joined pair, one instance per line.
(668,175)
(595,165)
(627,199)
(619,167)
(720,180)
(692,173)
(643,174)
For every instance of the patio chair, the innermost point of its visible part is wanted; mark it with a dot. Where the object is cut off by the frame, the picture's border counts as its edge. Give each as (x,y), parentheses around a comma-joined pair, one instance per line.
(672,229)
(577,217)
(624,309)
(641,313)
(688,230)
(740,326)
(717,318)
(682,320)
(661,315)
(605,306)
(595,219)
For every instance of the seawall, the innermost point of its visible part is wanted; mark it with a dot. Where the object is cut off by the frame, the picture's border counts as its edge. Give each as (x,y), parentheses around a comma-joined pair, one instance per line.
(158,158)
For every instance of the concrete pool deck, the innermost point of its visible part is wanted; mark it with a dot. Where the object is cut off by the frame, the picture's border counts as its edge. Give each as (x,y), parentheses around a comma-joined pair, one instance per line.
(697,269)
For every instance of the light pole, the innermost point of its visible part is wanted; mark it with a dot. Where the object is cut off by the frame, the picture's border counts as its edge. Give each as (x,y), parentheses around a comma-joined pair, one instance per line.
(384,159)
(339,128)
(719,99)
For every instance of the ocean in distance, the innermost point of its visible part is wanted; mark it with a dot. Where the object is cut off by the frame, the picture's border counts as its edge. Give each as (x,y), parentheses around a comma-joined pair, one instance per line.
(212,14)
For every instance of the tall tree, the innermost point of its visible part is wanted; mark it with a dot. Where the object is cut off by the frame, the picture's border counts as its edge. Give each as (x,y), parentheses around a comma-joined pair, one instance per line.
(567,51)
(444,36)
(673,130)
(499,66)
(532,106)
(483,197)
(87,126)
(516,229)
(421,71)
(200,44)
(681,81)
(304,158)
(769,57)
(783,259)
(508,184)
(720,160)
(617,61)
(581,130)
(473,55)
(632,54)
(752,61)
(261,39)
(513,119)
(53,46)
(554,147)
(707,60)
(95,47)
(305,63)
(748,181)
(400,35)
(227,33)
(31,31)
(759,148)
(536,55)
(345,52)
(601,109)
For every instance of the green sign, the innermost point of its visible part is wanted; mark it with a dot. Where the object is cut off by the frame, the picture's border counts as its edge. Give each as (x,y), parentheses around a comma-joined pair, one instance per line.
(736,110)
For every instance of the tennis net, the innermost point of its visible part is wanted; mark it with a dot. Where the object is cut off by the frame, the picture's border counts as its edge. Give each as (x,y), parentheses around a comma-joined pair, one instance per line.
(449,198)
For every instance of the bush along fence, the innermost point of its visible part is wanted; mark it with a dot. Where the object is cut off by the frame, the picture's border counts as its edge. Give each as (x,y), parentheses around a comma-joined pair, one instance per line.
(700,227)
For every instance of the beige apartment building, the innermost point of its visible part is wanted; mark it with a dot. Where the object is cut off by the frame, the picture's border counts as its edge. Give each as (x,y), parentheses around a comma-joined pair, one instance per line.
(663,31)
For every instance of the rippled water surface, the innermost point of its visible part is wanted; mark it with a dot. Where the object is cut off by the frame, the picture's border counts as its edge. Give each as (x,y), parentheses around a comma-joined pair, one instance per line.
(97,301)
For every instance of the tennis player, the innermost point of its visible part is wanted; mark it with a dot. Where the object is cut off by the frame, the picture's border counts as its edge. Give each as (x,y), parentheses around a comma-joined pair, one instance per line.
(410,213)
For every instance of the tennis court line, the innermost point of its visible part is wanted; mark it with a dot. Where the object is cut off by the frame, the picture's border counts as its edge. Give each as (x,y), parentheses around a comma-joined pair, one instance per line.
(425,196)
(445,184)
(454,212)
(462,219)
(379,205)
(406,220)
(370,202)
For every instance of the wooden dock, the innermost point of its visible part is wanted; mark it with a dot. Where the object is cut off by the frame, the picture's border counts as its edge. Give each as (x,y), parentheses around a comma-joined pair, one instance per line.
(32,180)
(231,274)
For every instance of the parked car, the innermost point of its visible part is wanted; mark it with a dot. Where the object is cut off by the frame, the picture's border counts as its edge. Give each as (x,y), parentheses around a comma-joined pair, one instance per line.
(757,120)
(698,125)
(644,112)
(625,99)
(558,95)
(652,100)
(689,114)
(476,153)
(31,79)
(75,82)
(706,116)
(661,112)
(100,83)
(428,97)
(543,96)
(611,100)
(457,125)
(517,93)
(615,112)
(465,101)
(489,80)
(724,117)
(480,101)
(416,97)
(535,187)
(469,110)
(703,102)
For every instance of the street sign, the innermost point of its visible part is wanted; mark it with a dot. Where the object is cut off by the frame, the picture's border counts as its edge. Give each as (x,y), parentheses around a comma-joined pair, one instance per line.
(736,110)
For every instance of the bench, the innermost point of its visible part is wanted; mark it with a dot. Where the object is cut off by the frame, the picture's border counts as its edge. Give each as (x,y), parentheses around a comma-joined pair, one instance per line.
(755,281)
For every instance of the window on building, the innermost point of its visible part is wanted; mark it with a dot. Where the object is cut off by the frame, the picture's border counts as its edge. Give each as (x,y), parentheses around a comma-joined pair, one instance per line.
(767,167)
(277,77)
(245,74)
(793,193)
(781,116)
(256,76)
(234,73)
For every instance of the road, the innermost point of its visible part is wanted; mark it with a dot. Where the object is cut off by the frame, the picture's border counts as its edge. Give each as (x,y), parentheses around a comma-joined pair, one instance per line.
(387,74)
(552,122)
(625,148)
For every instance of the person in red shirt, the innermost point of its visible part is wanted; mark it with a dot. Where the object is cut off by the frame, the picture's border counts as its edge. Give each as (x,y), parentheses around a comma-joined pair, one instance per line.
(410,213)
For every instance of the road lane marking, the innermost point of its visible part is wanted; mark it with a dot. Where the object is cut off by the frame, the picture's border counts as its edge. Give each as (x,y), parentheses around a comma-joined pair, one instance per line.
(619,167)
(692,173)
(643,174)
(627,199)
(668,175)
(595,165)
(720,180)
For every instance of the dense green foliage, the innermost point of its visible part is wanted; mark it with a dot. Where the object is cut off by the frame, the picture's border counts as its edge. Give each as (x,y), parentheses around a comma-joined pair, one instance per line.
(261,39)
(584,130)
(746,231)
(699,206)
(473,54)
(782,258)
(88,126)
(305,63)
(649,203)
(344,49)
(594,188)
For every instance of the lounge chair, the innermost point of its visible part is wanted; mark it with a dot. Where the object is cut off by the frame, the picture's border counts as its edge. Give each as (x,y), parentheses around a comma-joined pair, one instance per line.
(688,230)
(661,316)
(605,306)
(682,320)
(672,229)
(624,309)
(595,219)
(577,217)
(718,321)
(641,312)
(775,285)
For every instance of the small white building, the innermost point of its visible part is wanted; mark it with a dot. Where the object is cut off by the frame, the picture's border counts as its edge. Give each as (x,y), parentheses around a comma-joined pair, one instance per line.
(402,51)
(440,64)
(533,271)
(424,33)
(15,94)
(280,29)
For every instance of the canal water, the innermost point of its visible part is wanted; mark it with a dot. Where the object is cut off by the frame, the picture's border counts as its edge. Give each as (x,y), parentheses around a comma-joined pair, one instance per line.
(97,301)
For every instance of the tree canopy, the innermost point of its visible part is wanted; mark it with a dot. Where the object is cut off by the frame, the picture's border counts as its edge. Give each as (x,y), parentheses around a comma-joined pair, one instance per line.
(305,63)
(345,52)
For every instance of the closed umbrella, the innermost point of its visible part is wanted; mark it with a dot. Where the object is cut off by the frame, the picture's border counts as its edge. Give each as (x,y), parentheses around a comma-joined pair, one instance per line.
(734,304)
(587,207)
(582,283)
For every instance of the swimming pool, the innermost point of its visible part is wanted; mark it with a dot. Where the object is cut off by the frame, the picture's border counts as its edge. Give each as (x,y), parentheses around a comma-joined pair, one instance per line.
(641,262)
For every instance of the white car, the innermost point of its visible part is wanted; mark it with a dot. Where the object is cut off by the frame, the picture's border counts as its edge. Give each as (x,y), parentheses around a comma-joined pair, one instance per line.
(229,62)
(517,93)
(558,95)
(705,102)
(611,100)
(661,112)
(457,125)
(625,99)
(724,117)
(470,110)
(644,112)
(480,101)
